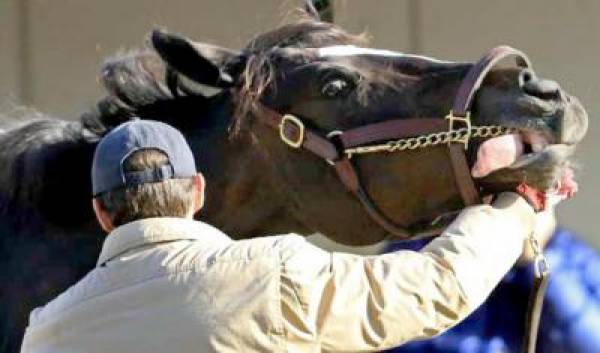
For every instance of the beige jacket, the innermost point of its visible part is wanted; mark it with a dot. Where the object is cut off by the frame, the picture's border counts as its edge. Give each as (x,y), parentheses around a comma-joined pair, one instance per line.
(176,285)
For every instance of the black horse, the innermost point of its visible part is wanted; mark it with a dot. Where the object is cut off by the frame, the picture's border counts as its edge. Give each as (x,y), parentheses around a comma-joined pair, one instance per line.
(256,184)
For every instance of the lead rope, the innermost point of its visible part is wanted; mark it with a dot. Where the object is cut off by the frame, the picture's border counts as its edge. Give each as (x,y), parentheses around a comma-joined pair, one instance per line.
(536,297)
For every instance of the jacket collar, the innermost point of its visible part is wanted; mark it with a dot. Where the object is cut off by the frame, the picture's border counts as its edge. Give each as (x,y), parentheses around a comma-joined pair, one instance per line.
(156,230)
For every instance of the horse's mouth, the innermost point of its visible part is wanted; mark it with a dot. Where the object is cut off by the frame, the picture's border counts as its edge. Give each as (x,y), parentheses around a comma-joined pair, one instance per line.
(525,157)
(539,152)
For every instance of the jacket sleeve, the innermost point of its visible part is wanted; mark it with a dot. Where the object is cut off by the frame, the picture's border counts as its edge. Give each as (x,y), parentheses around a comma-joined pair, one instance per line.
(347,302)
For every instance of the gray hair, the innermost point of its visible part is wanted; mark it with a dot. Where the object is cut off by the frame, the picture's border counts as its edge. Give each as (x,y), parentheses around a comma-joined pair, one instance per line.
(168,198)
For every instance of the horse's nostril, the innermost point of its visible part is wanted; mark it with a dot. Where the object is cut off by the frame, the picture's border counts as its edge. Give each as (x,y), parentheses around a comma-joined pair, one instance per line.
(525,76)
(537,87)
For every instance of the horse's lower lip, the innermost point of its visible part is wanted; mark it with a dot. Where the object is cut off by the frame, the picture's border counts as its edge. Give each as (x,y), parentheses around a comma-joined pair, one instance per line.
(528,158)
(535,140)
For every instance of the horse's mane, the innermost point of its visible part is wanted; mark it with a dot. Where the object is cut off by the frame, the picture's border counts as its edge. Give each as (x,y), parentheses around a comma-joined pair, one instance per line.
(41,148)
(133,80)
(139,79)
(137,84)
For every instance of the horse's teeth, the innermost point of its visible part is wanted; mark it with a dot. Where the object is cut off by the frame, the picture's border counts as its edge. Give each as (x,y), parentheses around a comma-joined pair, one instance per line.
(536,140)
(537,147)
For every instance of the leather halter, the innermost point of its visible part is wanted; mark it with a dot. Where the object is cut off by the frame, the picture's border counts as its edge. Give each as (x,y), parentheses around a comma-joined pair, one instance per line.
(295,134)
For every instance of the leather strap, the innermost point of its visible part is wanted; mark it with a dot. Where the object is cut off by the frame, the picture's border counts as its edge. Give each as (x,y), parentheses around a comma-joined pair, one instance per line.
(462,175)
(312,141)
(534,312)
(347,174)
(326,149)
(391,129)
(474,78)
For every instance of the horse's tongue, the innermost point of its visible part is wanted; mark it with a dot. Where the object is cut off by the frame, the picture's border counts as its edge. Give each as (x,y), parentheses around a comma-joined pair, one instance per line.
(497,153)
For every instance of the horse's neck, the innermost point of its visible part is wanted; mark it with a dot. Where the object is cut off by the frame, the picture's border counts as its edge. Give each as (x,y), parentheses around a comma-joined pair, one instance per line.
(241,198)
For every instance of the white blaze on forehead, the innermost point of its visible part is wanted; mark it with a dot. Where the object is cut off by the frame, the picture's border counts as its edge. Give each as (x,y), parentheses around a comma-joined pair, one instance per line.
(351,50)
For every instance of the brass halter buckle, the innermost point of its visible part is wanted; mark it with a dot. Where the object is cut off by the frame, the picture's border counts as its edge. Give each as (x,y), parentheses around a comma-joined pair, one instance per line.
(288,118)
(466,120)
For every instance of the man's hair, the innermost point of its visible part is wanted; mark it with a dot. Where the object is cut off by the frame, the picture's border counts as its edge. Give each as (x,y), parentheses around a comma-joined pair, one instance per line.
(168,198)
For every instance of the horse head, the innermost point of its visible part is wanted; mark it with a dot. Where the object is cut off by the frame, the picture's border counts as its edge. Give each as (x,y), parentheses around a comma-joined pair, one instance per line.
(315,72)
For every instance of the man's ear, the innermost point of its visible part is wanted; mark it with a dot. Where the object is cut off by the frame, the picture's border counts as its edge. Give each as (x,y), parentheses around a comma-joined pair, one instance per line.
(199,188)
(102,216)
(200,62)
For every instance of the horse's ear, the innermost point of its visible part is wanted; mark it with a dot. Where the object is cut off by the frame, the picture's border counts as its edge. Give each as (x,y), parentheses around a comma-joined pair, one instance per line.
(200,62)
(320,10)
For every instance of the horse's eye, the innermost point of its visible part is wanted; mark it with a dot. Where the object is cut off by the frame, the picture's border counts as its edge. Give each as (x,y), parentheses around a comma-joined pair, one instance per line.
(336,88)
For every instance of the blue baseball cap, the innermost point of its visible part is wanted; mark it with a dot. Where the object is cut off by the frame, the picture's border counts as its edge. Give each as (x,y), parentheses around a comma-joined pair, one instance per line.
(132,136)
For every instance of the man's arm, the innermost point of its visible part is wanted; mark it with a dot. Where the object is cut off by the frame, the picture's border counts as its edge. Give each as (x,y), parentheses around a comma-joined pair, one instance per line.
(348,302)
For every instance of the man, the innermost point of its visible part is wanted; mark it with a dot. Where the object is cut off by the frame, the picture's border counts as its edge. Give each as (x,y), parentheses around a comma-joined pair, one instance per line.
(167,283)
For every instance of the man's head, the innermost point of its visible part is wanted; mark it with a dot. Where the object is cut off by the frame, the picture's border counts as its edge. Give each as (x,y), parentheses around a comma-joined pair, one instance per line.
(144,169)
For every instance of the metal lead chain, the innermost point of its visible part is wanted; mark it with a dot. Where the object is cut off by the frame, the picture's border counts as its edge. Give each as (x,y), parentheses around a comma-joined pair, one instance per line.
(540,263)
(438,138)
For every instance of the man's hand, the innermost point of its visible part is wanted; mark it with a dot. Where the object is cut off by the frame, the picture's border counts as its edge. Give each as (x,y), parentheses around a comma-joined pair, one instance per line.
(545,225)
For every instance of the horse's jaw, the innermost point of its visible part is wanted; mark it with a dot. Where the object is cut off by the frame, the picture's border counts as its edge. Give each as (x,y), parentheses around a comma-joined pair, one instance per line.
(242,199)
